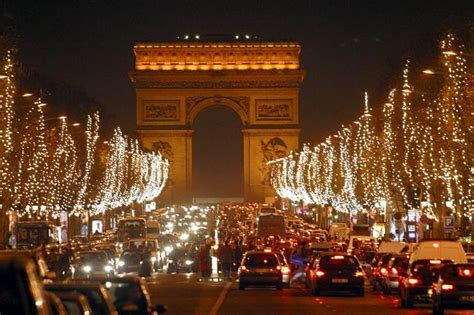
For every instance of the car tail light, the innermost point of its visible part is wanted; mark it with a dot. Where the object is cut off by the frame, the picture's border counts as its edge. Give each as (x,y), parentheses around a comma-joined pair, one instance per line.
(267,250)
(337,257)
(320,273)
(394,271)
(243,268)
(466,273)
(447,287)
(435,261)
(413,281)
(278,268)
(384,271)
(285,269)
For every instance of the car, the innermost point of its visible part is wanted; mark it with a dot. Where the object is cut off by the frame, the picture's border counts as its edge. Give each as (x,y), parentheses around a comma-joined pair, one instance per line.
(143,244)
(130,293)
(397,265)
(260,268)
(21,290)
(75,303)
(336,272)
(96,295)
(380,271)
(92,262)
(415,285)
(454,288)
(134,261)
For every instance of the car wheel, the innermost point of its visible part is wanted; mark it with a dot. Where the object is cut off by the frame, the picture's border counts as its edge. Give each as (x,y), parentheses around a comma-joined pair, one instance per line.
(279,286)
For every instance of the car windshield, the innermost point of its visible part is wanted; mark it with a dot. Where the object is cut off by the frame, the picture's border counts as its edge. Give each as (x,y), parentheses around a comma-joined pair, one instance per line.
(338,262)
(93,258)
(261,260)
(459,273)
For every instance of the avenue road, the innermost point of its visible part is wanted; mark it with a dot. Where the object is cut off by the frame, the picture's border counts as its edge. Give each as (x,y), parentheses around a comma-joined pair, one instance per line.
(185,294)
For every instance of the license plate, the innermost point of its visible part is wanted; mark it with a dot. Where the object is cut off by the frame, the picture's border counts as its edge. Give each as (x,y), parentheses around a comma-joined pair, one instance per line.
(339,280)
(467,298)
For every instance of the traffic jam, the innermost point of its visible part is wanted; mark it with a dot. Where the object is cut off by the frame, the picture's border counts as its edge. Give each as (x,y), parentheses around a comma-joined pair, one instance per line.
(248,245)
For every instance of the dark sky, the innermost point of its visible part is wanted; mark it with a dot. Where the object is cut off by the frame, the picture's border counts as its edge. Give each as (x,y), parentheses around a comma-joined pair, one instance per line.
(347,47)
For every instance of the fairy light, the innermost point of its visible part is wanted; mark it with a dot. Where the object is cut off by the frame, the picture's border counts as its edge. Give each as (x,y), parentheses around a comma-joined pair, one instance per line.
(429,151)
(6,131)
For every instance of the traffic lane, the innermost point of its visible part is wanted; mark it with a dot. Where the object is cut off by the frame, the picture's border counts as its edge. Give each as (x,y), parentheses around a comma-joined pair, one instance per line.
(298,301)
(184,293)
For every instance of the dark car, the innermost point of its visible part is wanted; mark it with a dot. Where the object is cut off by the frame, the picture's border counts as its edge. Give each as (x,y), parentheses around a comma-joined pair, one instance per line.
(130,295)
(336,272)
(37,258)
(397,266)
(182,260)
(95,293)
(137,261)
(380,271)
(415,285)
(260,268)
(92,263)
(56,306)
(454,288)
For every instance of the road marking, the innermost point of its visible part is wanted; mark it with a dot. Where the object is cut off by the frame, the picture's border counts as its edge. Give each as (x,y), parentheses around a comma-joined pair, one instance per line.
(220,300)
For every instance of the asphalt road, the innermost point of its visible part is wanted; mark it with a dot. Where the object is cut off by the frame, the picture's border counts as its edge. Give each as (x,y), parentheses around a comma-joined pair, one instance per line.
(185,294)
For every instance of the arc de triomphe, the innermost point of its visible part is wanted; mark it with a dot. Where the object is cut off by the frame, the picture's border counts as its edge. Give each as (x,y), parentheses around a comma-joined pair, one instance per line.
(260,81)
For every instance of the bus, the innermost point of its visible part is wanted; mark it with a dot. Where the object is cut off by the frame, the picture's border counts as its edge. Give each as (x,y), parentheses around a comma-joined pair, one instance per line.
(131,228)
(33,233)
(271,224)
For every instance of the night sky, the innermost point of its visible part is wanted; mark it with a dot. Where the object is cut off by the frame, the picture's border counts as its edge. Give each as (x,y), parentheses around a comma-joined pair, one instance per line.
(348,47)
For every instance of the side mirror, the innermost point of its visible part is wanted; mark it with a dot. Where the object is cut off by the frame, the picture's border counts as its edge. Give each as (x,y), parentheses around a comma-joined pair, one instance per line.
(160,308)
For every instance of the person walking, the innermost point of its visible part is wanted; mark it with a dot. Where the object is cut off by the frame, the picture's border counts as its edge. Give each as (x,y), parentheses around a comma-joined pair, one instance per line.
(204,259)
(226,256)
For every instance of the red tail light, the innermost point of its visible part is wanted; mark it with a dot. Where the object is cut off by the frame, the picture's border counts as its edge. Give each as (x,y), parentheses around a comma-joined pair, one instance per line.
(243,268)
(384,271)
(278,268)
(395,271)
(319,273)
(285,269)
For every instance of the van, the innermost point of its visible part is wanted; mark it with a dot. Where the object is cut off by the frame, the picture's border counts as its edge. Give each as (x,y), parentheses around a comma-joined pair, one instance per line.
(439,249)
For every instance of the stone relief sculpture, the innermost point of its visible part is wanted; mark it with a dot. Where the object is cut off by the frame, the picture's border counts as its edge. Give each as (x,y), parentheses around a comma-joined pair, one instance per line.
(274,148)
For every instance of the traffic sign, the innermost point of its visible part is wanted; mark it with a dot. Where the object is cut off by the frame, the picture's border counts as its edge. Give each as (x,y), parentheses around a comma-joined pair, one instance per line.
(448,224)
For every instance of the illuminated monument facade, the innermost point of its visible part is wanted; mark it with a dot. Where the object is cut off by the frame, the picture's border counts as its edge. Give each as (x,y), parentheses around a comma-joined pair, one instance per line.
(260,81)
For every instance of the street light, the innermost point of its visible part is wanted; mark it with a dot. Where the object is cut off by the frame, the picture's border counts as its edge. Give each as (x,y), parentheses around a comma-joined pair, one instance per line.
(3,77)
(27,94)
(428,71)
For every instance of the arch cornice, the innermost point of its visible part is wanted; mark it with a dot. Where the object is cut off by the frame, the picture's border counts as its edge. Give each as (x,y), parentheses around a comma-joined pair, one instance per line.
(239,104)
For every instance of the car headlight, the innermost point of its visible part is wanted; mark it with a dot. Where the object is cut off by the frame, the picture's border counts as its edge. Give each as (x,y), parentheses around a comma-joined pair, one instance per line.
(188,262)
(184,237)
(108,268)
(121,263)
(87,268)
(168,249)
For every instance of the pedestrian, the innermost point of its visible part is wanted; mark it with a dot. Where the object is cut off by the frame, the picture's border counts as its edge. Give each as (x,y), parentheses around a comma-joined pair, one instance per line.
(226,256)
(298,259)
(204,259)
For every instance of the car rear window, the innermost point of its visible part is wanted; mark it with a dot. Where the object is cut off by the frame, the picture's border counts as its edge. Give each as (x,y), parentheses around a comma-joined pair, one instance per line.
(338,262)
(261,260)
(459,273)
(426,266)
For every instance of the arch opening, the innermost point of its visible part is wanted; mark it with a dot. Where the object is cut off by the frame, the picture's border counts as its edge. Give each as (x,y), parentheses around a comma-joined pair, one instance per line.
(217,157)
